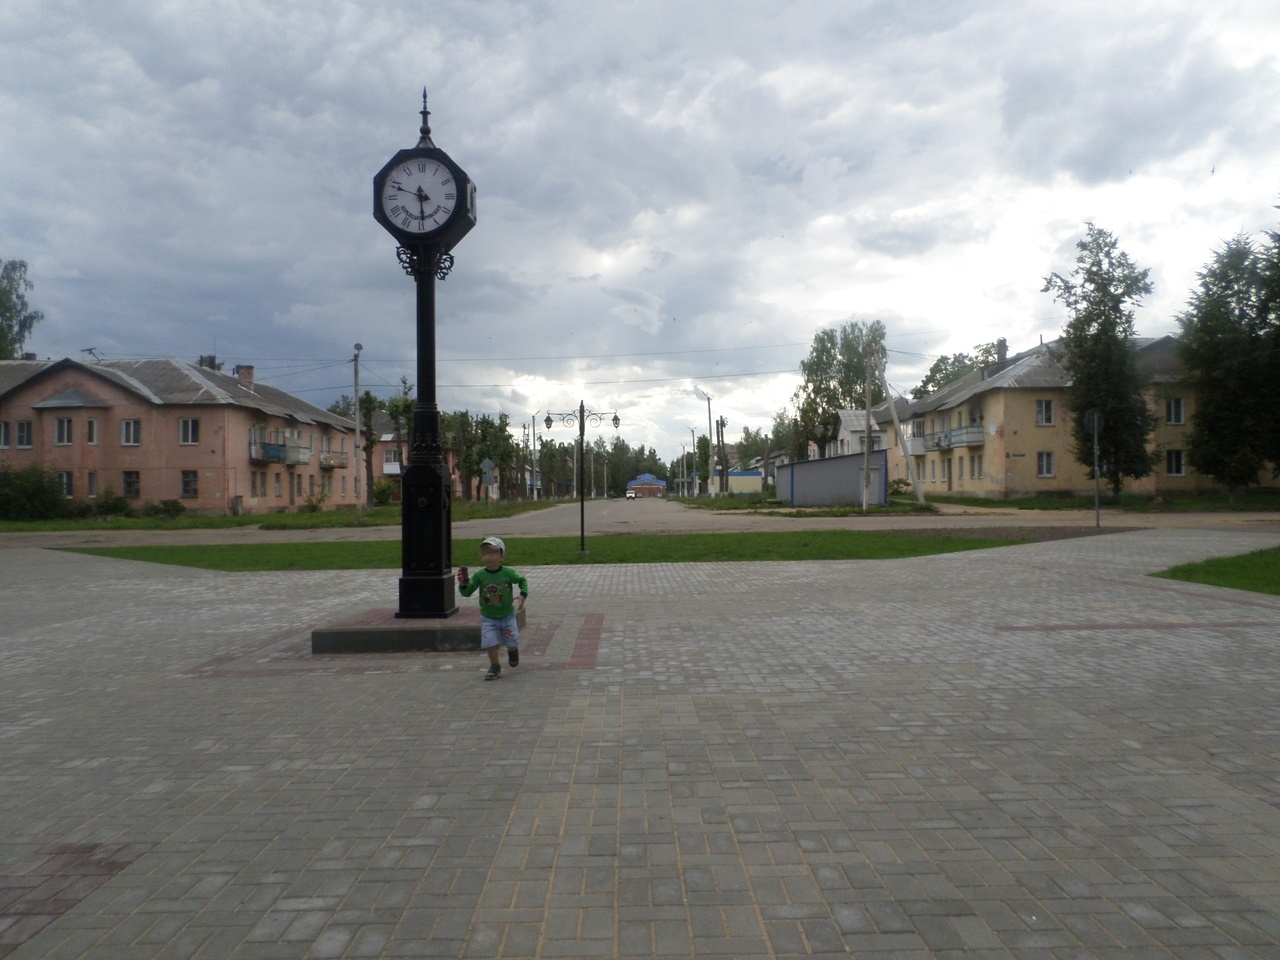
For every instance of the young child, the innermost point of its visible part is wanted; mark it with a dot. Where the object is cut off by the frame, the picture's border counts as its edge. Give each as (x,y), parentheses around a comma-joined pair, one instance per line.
(497,611)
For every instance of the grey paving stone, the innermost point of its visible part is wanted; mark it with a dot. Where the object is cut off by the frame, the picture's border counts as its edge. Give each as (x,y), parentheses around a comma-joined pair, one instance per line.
(1033,752)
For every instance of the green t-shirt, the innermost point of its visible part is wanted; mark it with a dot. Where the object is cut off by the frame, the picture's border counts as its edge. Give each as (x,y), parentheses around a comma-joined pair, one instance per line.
(496,590)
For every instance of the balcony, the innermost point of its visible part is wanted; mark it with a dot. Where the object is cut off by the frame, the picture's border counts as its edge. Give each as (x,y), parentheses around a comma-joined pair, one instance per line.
(970,436)
(289,452)
(294,452)
(915,446)
(333,460)
(266,452)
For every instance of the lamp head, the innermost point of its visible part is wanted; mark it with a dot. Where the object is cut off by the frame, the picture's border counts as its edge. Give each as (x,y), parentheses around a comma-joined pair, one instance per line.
(548,421)
(616,422)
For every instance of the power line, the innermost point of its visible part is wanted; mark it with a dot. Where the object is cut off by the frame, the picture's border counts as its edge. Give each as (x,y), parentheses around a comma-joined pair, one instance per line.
(592,383)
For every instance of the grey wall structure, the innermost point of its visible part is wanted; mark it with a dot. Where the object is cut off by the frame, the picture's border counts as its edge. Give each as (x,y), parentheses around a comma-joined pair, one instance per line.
(833,481)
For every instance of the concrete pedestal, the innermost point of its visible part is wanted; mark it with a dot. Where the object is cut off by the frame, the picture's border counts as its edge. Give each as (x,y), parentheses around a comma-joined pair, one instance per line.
(381,631)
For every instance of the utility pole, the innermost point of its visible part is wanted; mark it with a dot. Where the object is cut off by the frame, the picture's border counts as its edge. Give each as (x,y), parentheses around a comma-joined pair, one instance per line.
(693,449)
(534,440)
(866,441)
(711,451)
(358,451)
(902,440)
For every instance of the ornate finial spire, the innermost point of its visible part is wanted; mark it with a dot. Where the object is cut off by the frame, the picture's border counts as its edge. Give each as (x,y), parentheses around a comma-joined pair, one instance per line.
(425,129)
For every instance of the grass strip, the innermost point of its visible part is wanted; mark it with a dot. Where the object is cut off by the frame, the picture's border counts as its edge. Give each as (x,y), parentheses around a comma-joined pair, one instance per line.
(562,551)
(1258,571)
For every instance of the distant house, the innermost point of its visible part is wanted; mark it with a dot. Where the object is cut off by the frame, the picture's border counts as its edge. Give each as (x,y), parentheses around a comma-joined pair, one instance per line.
(647,485)
(1004,430)
(848,432)
(164,429)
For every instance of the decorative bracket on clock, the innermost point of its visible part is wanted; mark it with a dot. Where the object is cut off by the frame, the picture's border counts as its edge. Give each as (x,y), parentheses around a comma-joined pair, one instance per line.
(424,262)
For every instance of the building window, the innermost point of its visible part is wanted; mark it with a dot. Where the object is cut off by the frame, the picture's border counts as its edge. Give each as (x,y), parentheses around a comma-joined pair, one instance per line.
(131,485)
(392,454)
(4,433)
(344,482)
(1044,413)
(1173,463)
(130,432)
(933,471)
(1173,410)
(64,482)
(1044,463)
(93,483)
(297,484)
(24,433)
(62,436)
(277,484)
(311,484)
(188,431)
(91,432)
(975,467)
(960,470)
(190,483)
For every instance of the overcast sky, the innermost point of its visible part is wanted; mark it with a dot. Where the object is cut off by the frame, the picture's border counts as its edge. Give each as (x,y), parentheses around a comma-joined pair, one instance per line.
(671,194)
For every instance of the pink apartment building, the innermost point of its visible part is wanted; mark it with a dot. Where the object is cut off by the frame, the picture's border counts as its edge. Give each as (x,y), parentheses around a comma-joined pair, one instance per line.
(165,429)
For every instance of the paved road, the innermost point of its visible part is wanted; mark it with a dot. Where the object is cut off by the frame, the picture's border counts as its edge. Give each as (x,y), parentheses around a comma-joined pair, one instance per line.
(605,517)
(1033,752)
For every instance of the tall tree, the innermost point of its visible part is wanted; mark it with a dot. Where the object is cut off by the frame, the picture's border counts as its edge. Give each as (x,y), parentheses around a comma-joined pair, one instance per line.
(369,405)
(344,406)
(400,413)
(494,442)
(17,319)
(459,438)
(953,367)
(835,376)
(1101,296)
(1269,311)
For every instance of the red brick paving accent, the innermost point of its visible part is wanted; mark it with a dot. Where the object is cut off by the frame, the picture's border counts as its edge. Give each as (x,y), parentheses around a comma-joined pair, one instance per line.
(54,881)
(587,647)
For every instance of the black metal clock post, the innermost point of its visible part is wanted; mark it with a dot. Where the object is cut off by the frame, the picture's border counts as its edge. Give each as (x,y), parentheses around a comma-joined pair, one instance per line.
(427,202)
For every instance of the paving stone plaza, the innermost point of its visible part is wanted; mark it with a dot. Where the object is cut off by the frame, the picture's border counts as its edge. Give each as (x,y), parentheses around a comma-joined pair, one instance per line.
(1035,751)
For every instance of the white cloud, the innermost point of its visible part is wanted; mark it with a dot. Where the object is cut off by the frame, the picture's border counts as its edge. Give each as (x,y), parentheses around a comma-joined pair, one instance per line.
(667,191)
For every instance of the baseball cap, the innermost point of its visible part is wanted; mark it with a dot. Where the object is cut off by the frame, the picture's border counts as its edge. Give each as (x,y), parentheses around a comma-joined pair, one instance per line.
(494,542)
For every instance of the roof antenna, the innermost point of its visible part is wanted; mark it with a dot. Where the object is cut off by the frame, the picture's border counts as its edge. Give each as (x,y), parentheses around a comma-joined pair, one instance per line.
(93,352)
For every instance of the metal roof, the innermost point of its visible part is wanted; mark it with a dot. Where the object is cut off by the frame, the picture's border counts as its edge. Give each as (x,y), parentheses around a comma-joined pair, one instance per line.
(168,381)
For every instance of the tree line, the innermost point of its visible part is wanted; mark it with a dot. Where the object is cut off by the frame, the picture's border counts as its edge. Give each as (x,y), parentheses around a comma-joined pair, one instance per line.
(474,438)
(1230,345)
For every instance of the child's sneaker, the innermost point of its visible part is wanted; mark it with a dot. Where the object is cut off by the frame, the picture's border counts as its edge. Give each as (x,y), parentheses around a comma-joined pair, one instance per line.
(513,656)
(495,670)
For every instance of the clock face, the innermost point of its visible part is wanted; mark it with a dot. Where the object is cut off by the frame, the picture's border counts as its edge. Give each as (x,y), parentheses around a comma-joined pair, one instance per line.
(419,195)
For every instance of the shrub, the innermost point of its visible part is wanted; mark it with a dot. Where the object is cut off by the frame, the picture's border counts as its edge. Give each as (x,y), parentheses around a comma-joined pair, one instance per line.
(383,490)
(78,509)
(168,509)
(313,502)
(111,504)
(31,494)
(899,487)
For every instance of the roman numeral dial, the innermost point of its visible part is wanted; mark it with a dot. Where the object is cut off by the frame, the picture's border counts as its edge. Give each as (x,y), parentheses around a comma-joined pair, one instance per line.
(419,196)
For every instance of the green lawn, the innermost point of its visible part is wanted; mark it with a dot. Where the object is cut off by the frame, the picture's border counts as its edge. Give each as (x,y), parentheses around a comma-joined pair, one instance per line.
(1247,500)
(554,551)
(1258,571)
(346,517)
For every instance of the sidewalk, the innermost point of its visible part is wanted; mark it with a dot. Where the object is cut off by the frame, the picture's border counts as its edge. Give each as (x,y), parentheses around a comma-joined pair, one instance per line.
(1031,752)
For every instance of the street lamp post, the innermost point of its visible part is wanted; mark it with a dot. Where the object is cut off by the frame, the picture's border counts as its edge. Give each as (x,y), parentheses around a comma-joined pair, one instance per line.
(580,417)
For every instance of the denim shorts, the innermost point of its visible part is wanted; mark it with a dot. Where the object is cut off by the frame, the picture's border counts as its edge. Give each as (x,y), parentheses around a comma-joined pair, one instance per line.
(499,630)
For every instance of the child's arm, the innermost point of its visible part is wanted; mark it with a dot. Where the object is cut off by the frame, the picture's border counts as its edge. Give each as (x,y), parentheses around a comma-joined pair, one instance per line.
(524,590)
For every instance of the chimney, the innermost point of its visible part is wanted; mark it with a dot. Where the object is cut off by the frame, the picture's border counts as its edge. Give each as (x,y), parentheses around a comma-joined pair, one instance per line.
(1002,350)
(244,371)
(28,356)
